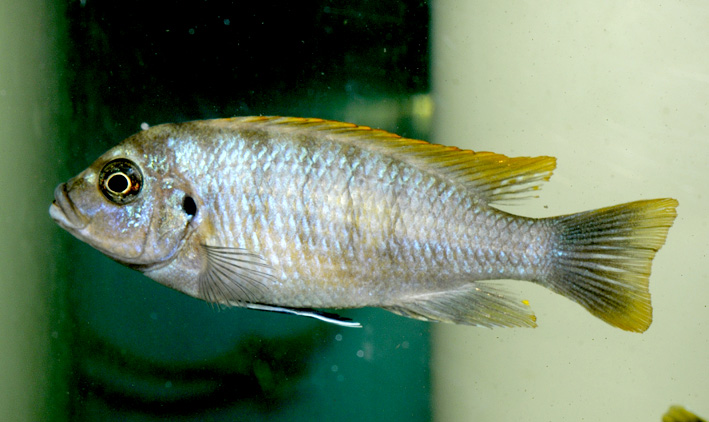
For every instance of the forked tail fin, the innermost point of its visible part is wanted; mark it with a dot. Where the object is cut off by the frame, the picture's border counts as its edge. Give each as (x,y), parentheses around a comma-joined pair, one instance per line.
(602,259)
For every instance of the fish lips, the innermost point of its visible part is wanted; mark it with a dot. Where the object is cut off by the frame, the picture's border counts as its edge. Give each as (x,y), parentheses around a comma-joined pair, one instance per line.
(63,211)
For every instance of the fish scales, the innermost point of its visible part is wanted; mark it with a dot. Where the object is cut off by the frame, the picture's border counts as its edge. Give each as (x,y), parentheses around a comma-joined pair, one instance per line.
(342,226)
(366,226)
(285,213)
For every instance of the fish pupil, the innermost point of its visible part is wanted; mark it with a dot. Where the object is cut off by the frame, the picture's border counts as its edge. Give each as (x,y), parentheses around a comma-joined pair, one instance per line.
(118,183)
(189,206)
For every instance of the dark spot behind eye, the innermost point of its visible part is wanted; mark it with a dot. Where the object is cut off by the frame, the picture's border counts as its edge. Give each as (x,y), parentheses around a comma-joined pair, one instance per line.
(189,206)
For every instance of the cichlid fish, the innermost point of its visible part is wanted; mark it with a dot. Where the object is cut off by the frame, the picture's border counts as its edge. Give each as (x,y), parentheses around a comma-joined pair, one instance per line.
(680,414)
(291,214)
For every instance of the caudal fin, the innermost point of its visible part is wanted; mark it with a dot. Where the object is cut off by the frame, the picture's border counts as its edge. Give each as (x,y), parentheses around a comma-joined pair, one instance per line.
(602,259)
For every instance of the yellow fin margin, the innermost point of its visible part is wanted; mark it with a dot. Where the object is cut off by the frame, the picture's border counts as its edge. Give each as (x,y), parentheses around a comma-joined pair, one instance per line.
(680,414)
(493,177)
(603,257)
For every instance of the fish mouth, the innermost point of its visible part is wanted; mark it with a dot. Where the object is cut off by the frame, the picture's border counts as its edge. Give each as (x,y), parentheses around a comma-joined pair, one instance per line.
(63,211)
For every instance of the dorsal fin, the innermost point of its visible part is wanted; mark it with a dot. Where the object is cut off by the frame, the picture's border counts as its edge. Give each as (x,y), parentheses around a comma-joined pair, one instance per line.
(494,177)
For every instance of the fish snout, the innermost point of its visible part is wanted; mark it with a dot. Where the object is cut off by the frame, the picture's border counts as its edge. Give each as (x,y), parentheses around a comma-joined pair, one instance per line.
(63,211)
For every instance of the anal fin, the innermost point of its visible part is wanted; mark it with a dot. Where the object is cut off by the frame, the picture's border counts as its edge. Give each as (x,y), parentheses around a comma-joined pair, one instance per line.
(473,304)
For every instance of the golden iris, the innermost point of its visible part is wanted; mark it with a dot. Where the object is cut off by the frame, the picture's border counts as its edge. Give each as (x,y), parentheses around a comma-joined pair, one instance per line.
(120,181)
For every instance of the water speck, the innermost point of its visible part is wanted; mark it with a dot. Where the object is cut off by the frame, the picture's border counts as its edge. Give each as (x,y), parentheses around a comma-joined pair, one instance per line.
(227,22)
(168,384)
(154,316)
(334,368)
(191,31)
(360,353)
(338,337)
(405,345)
(144,126)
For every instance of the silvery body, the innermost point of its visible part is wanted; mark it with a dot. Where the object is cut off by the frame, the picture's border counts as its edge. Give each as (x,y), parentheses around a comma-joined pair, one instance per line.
(282,213)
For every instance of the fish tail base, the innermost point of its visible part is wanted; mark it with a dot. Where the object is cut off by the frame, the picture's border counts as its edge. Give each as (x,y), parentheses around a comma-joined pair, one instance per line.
(602,259)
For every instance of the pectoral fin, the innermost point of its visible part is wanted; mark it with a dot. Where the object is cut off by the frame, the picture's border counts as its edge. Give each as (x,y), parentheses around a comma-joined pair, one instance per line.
(233,276)
(473,304)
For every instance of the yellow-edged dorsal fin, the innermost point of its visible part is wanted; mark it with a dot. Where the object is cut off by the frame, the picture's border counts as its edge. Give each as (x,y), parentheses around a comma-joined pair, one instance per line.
(494,177)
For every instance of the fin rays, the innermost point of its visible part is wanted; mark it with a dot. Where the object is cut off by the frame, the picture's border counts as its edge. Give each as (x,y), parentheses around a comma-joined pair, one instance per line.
(472,304)
(495,178)
(233,276)
(603,259)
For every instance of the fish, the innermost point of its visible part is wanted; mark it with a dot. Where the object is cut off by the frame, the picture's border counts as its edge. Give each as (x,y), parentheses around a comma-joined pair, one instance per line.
(302,215)
(678,413)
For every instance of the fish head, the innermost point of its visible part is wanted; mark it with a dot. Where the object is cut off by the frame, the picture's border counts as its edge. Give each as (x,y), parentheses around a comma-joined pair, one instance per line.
(129,205)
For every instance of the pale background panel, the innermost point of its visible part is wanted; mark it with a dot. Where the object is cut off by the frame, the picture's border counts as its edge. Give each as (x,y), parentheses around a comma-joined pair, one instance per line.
(32,359)
(619,93)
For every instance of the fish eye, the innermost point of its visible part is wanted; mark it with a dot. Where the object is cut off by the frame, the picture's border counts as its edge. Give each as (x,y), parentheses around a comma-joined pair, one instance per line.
(120,181)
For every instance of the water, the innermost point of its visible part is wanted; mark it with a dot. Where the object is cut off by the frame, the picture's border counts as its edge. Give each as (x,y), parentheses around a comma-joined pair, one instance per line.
(142,352)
